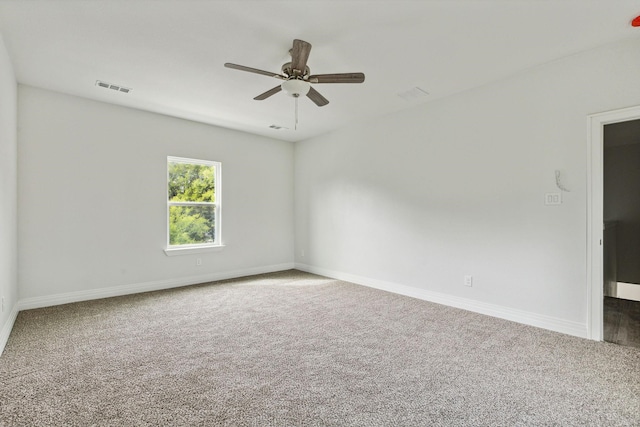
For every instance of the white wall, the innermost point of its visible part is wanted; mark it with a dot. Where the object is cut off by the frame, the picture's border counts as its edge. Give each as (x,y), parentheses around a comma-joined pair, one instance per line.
(92,185)
(8,195)
(423,197)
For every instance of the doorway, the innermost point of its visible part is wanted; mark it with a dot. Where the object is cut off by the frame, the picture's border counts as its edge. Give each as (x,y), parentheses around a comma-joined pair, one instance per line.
(621,239)
(614,227)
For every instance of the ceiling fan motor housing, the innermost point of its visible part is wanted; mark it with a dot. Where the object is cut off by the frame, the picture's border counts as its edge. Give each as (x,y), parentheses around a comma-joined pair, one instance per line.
(287,70)
(295,87)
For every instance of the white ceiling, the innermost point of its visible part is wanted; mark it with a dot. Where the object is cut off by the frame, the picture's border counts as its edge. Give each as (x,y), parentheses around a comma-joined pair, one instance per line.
(171,53)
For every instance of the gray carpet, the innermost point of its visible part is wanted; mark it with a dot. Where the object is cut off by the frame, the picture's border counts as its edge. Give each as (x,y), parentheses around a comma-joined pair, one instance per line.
(294,349)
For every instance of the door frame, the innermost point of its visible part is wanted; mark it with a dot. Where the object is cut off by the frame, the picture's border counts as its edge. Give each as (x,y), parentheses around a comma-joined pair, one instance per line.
(595,213)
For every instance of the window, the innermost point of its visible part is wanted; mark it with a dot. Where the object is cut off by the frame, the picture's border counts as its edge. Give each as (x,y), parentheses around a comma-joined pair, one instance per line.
(193,203)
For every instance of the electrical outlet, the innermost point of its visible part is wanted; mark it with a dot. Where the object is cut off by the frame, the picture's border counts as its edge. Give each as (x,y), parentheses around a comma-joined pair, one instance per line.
(468,281)
(198,261)
(302,253)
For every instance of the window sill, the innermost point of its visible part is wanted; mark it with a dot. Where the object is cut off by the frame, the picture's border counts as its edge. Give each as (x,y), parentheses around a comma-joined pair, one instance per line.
(192,250)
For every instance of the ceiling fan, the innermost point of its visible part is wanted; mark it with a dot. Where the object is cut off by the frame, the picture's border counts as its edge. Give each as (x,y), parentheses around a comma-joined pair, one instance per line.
(297,77)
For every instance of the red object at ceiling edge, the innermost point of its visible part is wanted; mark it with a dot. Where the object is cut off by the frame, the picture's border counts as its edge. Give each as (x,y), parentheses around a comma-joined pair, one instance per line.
(636,21)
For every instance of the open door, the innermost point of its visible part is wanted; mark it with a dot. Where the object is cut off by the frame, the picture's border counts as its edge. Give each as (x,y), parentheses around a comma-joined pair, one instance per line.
(609,236)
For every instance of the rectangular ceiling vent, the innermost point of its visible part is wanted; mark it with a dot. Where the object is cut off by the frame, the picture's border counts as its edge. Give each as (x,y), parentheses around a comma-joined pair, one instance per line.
(117,88)
(413,94)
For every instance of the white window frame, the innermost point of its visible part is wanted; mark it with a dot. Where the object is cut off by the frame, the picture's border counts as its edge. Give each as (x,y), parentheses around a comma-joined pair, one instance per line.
(171,250)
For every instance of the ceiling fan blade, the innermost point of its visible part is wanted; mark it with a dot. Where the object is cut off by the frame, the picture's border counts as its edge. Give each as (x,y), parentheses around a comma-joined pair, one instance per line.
(337,78)
(268,93)
(300,55)
(318,99)
(254,70)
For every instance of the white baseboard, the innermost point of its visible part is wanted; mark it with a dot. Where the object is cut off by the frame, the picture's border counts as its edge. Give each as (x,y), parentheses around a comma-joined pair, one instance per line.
(533,319)
(114,291)
(630,291)
(519,316)
(7,327)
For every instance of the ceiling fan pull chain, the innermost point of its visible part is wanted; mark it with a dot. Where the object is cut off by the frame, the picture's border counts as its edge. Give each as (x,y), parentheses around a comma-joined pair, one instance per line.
(296,114)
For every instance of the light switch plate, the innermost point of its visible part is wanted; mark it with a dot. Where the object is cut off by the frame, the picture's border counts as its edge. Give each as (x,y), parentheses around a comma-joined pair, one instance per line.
(553,199)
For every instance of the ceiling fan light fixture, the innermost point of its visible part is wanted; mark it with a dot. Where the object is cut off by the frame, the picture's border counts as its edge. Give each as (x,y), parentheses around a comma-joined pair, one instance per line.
(295,87)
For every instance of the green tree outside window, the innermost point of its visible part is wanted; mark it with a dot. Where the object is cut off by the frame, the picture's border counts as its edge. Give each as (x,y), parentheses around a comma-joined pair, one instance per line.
(192,202)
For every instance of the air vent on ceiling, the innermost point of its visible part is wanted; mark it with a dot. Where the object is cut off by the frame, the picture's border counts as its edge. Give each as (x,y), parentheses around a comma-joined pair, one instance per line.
(413,93)
(117,88)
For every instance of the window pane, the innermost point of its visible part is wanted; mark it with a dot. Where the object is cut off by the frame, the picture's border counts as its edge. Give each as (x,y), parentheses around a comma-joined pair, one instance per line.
(191,225)
(191,182)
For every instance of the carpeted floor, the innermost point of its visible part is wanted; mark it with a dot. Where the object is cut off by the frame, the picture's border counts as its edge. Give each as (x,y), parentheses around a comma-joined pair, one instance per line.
(294,349)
